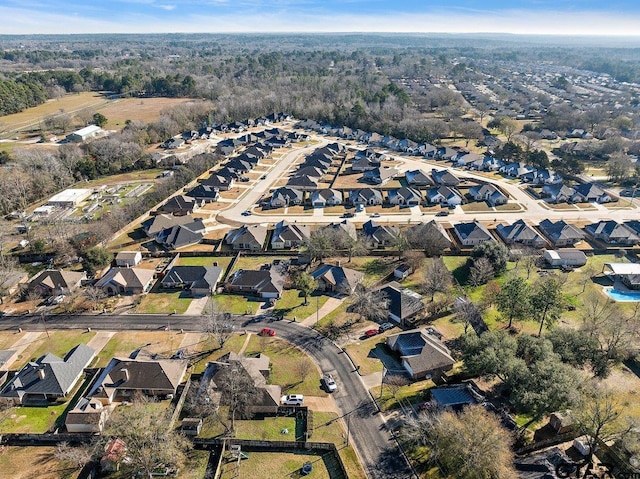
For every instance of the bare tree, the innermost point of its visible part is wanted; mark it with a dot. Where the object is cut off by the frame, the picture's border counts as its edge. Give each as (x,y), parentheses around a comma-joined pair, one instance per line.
(467,313)
(436,277)
(303,368)
(238,391)
(76,456)
(414,259)
(394,383)
(371,305)
(94,296)
(218,324)
(480,272)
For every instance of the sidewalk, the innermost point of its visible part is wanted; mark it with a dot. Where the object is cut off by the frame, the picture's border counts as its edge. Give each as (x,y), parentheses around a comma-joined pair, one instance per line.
(19,346)
(331,304)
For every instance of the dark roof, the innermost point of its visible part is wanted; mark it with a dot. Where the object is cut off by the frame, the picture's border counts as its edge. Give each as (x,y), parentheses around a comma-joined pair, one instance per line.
(518,232)
(56,279)
(181,235)
(261,281)
(339,277)
(217,181)
(403,303)
(178,203)
(560,230)
(204,191)
(453,395)
(196,276)
(49,374)
(472,230)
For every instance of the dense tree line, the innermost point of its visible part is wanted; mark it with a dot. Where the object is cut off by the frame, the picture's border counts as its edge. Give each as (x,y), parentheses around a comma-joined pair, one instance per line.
(15,96)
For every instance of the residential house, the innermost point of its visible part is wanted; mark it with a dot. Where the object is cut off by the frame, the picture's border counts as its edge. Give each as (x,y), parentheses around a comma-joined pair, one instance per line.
(444,177)
(613,232)
(365,197)
(123,378)
(302,183)
(267,282)
(128,258)
(427,150)
(239,166)
(472,233)
(520,233)
(405,197)
(205,193)
(432,231)
(379,176)
(310,171)
(565,257)
(251,237)
(286,196)
(198,280)
(48,378)
(587,192)
(557,193)
(379,236)
(516,170)
(266,397)
(87,416)
(445,153)
(325,197)
(468,159)
(543,176)
(52,282)
(180,236)
(418,178)
(337,278)
(560,233)
(228,173)
(443,195)
(156,224)
(124,280)
(628,273)
(489,193)
(173,143)
(219,182)
(490,163)
(257,152)
(423,356)
(364,163)
(344,226)
(403,303)
(289,235)
(180,205)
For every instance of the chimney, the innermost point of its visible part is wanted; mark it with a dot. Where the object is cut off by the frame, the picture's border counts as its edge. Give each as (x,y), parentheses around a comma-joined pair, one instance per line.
(338,263)
(125,371)
(41,373)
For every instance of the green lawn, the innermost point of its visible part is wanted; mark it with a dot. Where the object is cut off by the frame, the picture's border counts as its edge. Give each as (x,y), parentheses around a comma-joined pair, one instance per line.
(285,369)
(233,344)
(363,354)
(59,343)
(123,344)
(160,301)
(236,304)
(37,420)
(291,304)
(414,393)
(267,429)
(269,465)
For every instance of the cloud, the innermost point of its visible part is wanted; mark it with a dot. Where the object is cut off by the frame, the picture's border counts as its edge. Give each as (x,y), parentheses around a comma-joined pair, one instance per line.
(165,7)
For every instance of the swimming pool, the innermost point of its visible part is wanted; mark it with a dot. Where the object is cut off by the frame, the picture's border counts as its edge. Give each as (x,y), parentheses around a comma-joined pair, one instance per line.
(622,296)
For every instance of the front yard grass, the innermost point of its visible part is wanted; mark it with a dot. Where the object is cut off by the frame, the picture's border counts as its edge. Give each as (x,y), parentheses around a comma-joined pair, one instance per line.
(164,301)
(122,344)
(36,420)
(268,465)
(291,304)
(285,366)
(414,392)
(236,304)
(59,343)
(363,354)
(234,343)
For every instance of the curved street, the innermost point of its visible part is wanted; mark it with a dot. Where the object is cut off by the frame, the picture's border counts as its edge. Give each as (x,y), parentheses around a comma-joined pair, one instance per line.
(379,454)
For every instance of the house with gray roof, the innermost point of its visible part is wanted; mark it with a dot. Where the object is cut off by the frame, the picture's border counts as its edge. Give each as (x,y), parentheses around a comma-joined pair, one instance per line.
(325,197)
(588,192)
(379,236)
(443,195)
(180,205)
(337,278)
(124,280)
(343,226)
(157,223)
(489,193)
(404,304)
(431,231)
(198,280)
(365,197)
(560,233)
(267,282)
(612,232)
(379,176)
(251,237)
(516,170)
(520,233)
(303,183)
(472,233)
(289,235)
(364,163)
(423,356)
(404,197)
(557,193)
(204,193)
(286,196)
(444,177)
(418,178)
(179,236)
(48,378)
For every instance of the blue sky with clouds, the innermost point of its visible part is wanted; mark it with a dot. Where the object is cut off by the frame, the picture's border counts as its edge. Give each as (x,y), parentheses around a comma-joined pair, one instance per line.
(587,17)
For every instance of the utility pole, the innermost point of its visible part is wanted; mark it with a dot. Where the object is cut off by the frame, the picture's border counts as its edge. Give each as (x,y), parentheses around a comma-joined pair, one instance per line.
(44,323)
(317,309)
(384,371)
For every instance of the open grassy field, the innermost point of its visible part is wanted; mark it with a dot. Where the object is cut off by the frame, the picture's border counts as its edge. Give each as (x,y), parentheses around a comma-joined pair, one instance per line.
(58,343)
(28,462)
(146,110)
(72,103)
(159,300)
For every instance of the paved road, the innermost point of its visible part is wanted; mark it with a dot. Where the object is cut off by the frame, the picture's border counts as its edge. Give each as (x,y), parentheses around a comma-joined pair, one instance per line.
(378,452)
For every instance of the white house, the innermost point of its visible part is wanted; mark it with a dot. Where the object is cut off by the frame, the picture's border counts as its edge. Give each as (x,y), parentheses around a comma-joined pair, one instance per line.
(128,259)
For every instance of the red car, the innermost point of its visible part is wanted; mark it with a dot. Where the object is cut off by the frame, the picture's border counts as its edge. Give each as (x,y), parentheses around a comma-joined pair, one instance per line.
(267,332)
(370,332)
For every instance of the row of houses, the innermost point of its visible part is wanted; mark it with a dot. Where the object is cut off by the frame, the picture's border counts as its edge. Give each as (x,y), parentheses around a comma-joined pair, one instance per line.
(580,193)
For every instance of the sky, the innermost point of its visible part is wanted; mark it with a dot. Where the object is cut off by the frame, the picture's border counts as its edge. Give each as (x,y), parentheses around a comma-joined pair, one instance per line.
(584,17)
